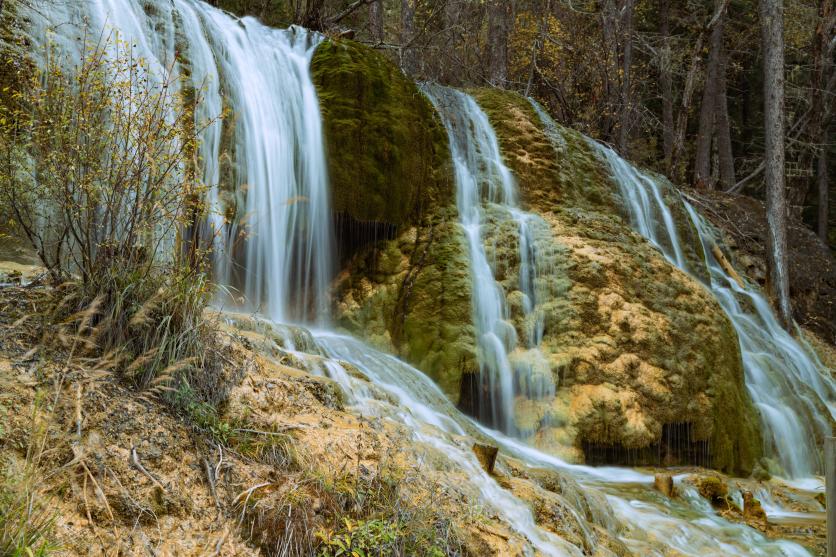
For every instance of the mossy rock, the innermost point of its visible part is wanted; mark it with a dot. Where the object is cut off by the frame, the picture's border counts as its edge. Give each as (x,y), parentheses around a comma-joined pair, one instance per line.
(569,174)
(387,150)
(627,335)
(412,296)
(546,178)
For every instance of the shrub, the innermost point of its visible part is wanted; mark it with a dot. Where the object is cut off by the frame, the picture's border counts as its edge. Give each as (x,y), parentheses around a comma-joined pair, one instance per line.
(98,171)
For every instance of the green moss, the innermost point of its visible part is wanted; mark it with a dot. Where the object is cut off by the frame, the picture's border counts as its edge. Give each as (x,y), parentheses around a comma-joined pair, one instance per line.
(387,151)
(411,295)
(546,178)
(701,383)
(736,443)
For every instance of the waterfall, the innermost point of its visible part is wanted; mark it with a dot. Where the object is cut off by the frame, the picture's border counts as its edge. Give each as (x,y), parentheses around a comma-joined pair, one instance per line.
(484,184)
(795,398)
(264,167)
(287,256)
(617,499)
(276,159)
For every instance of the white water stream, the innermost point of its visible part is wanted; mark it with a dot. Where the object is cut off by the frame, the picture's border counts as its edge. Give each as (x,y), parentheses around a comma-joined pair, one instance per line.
(279,179)
(794,394)
(509,365)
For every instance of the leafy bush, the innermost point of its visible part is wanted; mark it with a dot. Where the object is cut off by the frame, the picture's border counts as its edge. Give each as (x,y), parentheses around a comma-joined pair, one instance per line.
(362,538)
(98,172)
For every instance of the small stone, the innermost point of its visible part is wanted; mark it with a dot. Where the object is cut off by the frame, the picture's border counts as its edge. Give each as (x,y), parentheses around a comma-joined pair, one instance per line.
(713,488)
(486,455)
(664,484)
(752,508)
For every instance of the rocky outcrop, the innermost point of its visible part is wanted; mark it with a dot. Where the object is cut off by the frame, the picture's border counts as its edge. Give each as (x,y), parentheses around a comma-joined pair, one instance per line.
(624,331)
(387,151)
(392,188)
(638,383)
(411,296)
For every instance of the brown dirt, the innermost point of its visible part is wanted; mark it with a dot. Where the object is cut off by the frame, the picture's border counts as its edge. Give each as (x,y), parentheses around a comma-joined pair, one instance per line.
(306,460)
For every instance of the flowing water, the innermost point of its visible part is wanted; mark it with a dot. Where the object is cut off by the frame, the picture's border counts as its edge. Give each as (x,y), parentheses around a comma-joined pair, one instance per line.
(795,396)
(508,363)
(264,164)
(277,200)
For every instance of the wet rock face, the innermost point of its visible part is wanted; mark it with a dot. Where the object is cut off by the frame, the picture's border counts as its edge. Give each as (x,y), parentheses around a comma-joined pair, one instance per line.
(636,362)
(411,296)
(387,150)
(647,365)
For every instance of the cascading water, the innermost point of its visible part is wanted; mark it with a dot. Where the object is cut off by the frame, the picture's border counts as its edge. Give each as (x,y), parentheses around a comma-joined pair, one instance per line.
(270,219)
(795,398)
(287,254)
(483,184)
(616,499)
(278,168)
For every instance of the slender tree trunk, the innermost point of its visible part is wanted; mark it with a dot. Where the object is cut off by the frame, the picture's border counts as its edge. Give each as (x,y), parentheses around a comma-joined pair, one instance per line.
(824,204)
(500,19)
(626,86)
(376,22)
(537,45)
(407,53)
(666,82)
(609,32)
(702,158)
(725,152)
(823,58)
(772,27)
(313,15)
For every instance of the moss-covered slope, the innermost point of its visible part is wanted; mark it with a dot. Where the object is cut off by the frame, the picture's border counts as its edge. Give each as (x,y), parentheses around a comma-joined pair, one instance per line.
(411,296)
(389,163)
(625,332)
(642,350)
(387,150)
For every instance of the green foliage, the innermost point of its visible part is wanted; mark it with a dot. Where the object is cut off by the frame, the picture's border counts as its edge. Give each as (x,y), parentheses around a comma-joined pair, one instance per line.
(25,523)
(381,133)
(362,538)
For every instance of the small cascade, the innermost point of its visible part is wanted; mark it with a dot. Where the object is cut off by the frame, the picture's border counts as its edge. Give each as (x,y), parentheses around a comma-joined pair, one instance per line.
(485,191)
(264,166)
(550,127)
(795,397)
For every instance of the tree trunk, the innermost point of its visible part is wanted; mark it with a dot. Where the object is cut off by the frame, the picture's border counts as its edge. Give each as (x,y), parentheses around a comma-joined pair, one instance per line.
(772,27)
(702,158)
(626,87)
(407,53)
(313,15)
(376,22)
(723,128)
(500,16)
(609,13)
(824,205)
(666,83)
